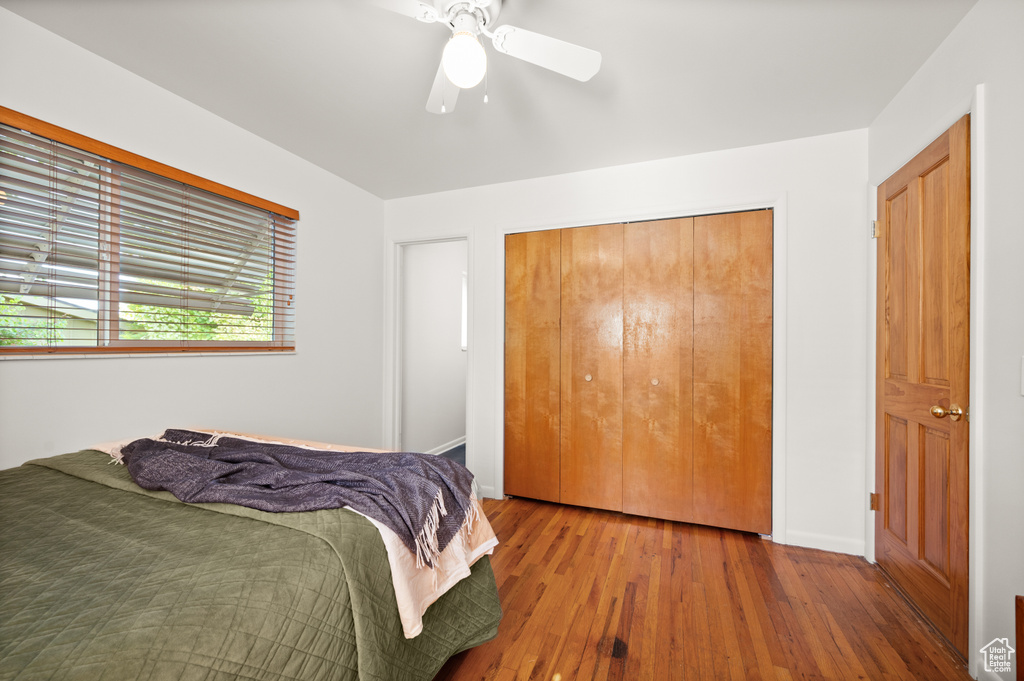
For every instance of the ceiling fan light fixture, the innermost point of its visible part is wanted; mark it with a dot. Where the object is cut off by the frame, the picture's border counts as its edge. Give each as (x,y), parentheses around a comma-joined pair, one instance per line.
(464,60)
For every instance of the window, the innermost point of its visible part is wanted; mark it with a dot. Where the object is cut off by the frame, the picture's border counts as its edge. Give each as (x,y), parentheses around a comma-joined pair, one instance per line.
(105,251)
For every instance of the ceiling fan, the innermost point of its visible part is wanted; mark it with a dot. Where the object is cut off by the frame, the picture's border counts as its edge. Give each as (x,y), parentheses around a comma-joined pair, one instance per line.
(464,60)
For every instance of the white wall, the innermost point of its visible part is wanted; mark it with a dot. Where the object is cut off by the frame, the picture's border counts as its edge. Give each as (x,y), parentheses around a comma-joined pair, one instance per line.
(329,390)
(817,185)
(433,362)
(985,50)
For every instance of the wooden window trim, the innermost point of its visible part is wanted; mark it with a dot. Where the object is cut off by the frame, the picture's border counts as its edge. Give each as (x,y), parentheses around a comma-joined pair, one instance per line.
(73,139)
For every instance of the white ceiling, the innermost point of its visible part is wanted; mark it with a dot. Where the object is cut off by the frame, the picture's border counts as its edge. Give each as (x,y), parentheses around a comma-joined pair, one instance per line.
(343,83)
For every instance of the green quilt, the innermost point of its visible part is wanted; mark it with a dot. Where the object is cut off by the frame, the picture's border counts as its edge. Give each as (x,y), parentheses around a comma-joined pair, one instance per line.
(100,579)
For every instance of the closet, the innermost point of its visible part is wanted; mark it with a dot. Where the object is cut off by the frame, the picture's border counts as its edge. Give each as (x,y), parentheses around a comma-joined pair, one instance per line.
(638,368)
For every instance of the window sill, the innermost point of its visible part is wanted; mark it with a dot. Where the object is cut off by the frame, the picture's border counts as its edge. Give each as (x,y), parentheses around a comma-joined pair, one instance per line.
(122,355)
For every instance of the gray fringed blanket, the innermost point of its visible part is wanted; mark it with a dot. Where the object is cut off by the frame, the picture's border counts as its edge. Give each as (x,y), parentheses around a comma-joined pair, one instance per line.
(424,499)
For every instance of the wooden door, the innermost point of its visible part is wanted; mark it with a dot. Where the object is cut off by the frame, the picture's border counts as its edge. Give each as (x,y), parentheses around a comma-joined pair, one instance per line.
(532,351)
(921,452)
(657,367)
(732,371)
(591,364)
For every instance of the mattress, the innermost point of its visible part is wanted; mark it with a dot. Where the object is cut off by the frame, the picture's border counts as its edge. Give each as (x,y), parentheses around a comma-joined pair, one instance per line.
(100,579)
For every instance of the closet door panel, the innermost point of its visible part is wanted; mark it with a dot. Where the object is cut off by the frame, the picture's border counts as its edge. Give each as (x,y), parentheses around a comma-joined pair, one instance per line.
(732,383)
(657,365)
(532,355)
(591,434)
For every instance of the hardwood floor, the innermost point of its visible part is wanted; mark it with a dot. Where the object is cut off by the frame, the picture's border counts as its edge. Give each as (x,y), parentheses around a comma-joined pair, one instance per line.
(601,595)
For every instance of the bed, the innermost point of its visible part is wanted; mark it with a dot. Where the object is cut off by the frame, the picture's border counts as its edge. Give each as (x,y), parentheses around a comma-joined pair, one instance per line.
(101,579)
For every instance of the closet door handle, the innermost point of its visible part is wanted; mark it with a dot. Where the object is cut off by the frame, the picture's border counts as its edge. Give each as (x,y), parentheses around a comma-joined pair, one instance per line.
(588,378)
(655,381)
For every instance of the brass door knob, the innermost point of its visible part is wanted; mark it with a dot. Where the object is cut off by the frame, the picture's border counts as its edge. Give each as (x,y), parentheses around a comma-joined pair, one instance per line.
(954,412)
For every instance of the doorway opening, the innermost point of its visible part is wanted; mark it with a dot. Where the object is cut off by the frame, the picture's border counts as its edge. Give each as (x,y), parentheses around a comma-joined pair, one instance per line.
(432,348)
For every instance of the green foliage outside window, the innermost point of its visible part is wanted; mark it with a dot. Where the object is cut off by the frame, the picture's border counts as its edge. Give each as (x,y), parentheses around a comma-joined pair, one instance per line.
(150,322)
(19,327)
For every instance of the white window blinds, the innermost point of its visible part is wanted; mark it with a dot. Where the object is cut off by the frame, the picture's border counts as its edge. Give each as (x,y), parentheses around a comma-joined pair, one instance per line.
(95,253)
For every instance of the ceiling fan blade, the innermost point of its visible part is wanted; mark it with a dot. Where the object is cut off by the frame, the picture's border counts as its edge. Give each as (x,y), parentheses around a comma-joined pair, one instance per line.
(410,8)
(551,53)
(443,94)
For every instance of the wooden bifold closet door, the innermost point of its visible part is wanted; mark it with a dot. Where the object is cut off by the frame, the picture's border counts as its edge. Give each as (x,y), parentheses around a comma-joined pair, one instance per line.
(732,371)
(657,363)
(591,362)
(532,333)
(638,368)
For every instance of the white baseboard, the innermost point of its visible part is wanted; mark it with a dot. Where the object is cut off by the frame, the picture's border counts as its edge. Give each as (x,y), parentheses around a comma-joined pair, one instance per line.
(487,492)
(441,449)
(825,542)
